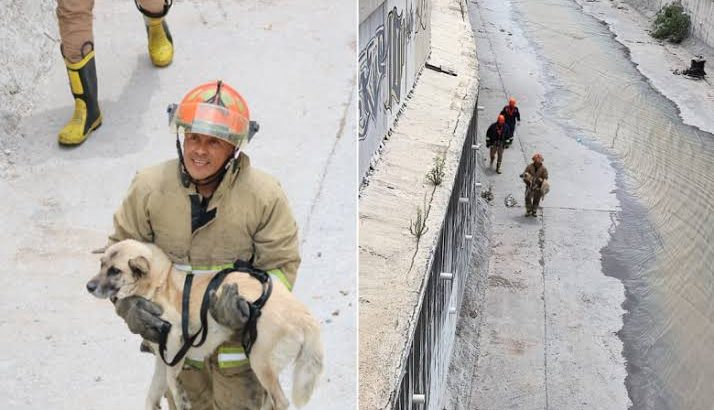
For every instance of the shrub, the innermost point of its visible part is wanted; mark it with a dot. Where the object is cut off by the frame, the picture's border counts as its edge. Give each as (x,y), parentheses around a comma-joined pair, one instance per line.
(417,226)
(436,174)
(671,23)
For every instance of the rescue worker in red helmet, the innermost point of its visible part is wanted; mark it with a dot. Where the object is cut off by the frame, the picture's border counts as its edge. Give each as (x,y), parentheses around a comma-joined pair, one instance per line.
(207,209)
(498,136)
(77,46)
(511,113)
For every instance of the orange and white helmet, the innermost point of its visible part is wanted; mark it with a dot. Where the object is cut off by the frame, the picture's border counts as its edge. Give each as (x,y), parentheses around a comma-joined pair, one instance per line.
(214,109)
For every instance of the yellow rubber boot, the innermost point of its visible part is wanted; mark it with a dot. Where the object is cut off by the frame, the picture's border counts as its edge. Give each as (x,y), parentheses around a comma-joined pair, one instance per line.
(161,45)
(86,117)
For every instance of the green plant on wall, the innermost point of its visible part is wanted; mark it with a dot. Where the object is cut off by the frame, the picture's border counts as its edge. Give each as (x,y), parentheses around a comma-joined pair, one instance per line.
(417,226)
(436,173)
(671,23)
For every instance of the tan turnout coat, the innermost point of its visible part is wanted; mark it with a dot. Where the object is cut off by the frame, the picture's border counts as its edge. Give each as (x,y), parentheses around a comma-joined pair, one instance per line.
(252,218)
(540,172)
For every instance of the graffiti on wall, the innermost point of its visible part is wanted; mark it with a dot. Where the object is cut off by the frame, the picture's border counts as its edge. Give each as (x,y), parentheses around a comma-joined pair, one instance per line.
(399,32)
(422,16)
(385,57)
(372,63)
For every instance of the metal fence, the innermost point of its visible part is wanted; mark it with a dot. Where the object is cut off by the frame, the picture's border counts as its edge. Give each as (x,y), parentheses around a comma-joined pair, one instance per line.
(427,364)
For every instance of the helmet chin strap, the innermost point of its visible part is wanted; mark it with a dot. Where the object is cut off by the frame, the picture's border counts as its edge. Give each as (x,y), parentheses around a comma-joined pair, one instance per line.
(211,179)
(187,179)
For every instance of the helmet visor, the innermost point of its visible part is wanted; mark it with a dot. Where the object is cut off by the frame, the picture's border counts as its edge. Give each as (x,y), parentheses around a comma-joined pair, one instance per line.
(213,120)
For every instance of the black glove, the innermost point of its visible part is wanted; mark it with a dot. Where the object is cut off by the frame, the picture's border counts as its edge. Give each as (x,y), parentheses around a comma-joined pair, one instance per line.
(488,143)
(230,309)
(142,316)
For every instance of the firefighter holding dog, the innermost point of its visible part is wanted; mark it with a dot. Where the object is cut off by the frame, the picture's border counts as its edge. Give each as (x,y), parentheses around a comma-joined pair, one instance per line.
(534,176)
(206,209)
(75,26)
(498,137)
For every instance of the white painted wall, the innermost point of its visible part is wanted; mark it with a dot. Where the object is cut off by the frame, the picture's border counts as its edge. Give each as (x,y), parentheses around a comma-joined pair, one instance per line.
(394,42)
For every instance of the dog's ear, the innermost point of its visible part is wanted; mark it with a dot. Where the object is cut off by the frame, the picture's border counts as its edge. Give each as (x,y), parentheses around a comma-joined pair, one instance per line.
(139,266)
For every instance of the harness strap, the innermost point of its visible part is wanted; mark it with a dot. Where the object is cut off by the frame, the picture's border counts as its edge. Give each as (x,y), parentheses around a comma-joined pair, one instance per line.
(163,336)
(250,333)
(185,305)
(188,339)
(212,285)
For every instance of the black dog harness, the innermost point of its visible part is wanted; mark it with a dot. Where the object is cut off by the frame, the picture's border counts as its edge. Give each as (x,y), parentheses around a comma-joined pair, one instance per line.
(250,332)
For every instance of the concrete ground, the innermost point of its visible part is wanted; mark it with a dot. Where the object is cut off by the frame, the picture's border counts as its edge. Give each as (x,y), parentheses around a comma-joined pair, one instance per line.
(626,151)
(550,315)
(294,63)
(657,60)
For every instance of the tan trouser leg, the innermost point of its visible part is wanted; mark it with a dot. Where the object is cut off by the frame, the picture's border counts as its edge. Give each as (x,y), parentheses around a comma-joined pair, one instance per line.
(237,389)
(536,199)
(197,384)
(529,199)
(153,6)
(75,26)
(213,388)
(500,159)
(74,18)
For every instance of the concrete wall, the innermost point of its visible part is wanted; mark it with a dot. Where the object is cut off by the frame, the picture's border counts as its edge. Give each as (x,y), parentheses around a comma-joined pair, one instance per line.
(394,42)
(406,329)
(458,250)
(701,12)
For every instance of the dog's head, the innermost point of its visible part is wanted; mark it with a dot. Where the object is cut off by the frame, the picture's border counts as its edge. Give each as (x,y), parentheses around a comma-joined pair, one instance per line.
(527,178)
(124,266)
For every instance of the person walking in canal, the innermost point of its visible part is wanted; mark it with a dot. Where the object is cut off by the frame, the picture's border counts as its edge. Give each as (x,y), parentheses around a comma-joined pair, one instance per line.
(206,209)
(498,136)
(535,177)
(511,113)
(75,19)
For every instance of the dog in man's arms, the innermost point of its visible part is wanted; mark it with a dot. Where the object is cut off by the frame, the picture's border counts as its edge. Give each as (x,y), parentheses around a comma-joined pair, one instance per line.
(544,184)
(286,330)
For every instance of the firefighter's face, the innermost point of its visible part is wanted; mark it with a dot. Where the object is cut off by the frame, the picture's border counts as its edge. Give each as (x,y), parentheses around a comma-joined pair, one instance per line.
(205,155)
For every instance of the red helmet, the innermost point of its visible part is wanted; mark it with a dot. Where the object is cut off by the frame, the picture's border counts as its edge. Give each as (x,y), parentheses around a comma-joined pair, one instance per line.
(214,109)
(501,119)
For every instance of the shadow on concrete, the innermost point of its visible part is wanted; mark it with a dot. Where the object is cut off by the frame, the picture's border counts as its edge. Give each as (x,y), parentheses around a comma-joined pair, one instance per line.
(122,131)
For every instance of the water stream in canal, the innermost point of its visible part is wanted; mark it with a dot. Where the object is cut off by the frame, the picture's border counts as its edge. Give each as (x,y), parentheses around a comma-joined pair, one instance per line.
(661,247)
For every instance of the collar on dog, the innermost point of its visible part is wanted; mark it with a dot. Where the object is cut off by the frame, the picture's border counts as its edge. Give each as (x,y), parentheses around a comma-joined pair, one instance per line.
(250,333)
